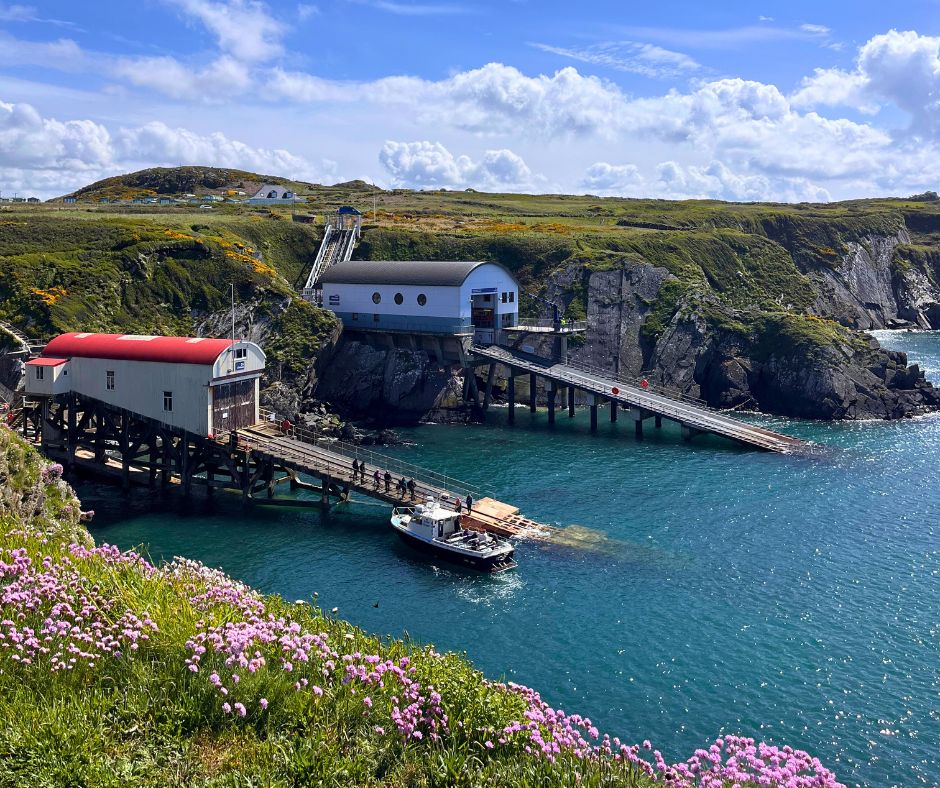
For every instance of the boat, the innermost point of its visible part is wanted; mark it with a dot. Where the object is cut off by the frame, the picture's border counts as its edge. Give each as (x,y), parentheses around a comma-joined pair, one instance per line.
(432,528)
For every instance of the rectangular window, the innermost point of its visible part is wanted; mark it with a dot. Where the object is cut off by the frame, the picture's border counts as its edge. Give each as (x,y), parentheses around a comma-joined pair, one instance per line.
(355,315)
(39,373)
(375,318)
(109,380)
(241,352)
(512,296)
(505,297)
(168,401)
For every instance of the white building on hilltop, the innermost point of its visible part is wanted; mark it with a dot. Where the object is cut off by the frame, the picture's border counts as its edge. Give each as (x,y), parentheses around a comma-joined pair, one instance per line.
(203,386)
(274,195)
(422,297)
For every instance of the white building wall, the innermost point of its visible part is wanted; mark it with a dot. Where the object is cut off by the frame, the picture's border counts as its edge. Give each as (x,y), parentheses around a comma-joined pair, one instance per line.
(442,301)
(139,387)
(55,380)
(227,364)
(447,308)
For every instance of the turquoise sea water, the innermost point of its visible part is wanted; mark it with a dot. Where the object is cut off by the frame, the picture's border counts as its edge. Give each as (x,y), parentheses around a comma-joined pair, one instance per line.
(792,599)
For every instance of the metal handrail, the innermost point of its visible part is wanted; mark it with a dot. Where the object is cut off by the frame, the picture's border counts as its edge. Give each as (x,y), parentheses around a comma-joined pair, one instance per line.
(392,464)
(701,417)
(534,322)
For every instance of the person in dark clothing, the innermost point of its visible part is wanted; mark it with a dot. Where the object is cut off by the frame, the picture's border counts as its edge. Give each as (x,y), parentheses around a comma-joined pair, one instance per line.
(469,503)
(402,487)
(355,467)
(457,504)
(344,496)
(362,471)
(375,480)
(388,482)
(412,486)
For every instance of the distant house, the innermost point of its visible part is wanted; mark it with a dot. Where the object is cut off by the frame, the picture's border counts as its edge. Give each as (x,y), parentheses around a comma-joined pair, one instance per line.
(104,200)
(166,201)
(211,198)
(274,195)
(70,200)
(33,199)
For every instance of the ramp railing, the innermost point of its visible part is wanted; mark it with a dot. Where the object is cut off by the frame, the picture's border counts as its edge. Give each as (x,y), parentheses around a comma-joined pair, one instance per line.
(393,465)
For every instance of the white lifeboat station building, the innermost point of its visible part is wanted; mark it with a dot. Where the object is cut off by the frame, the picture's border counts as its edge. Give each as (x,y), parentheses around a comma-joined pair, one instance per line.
(422,297)
(203,386)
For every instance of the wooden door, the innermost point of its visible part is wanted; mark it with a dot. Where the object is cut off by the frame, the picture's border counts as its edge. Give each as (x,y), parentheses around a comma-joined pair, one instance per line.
(233,405)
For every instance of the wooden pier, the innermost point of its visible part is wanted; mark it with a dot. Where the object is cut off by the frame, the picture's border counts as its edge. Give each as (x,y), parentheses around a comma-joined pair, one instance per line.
(638,402)
(255,462)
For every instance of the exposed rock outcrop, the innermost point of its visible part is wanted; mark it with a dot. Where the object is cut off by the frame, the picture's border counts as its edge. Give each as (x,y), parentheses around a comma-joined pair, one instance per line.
(391,385)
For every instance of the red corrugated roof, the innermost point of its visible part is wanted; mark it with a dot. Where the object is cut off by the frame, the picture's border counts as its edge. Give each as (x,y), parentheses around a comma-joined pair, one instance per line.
(130,347)
(46,362)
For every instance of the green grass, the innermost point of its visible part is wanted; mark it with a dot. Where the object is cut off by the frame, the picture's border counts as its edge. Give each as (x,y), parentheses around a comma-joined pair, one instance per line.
(144,719)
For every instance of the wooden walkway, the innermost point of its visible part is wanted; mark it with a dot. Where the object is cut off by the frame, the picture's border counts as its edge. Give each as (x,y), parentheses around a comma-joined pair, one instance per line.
(645,402)
(325,460)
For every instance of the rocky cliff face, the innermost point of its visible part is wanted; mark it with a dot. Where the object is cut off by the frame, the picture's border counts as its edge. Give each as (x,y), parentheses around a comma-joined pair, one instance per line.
(790,364)
(391,385)
(867,289)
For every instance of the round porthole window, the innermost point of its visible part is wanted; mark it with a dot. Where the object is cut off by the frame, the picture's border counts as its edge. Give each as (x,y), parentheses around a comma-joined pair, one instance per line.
(376,297)
(399,299)
(422,299)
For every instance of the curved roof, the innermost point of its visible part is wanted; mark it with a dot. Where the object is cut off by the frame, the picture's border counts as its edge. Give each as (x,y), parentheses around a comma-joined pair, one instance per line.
(132,347)
(403,272)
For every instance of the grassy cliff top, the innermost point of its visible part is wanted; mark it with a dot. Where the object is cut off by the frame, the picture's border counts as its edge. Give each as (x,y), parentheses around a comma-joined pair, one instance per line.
(114,671)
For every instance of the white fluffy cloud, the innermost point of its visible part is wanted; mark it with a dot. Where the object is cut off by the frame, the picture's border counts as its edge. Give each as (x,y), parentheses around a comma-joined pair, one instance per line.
(243,28)
(426,164)
(48,156)
(712,181)
(223,78)
(899,68)
(616,179)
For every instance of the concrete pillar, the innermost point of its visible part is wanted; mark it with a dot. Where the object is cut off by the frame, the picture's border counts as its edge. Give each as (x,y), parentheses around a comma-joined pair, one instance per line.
(563,349)
(688,432)
(638,427)
(511,396)
(659,421)
(593,413)
(613,411)
(532,390)
(570,402)
(552,393)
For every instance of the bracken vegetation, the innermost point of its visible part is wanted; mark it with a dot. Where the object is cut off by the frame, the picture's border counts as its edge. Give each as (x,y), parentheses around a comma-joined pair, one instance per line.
(114,671)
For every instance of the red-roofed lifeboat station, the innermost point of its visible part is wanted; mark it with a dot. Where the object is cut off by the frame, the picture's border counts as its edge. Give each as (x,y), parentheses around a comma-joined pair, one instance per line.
(202,386)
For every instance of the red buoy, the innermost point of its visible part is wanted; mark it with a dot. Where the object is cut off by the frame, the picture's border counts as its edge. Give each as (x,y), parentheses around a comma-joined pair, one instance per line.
(645,383)
(615,390)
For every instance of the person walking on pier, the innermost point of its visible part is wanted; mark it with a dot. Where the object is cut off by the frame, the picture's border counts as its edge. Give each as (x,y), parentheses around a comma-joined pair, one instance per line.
(469,503)
(388,482)
(402,487)
(457,504)
(412,486)
(375,479)
(355,467)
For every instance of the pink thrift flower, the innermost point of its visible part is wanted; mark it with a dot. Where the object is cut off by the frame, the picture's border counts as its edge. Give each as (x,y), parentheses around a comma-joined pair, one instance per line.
(226,708)
(488,744)
(240,708)
(263,703)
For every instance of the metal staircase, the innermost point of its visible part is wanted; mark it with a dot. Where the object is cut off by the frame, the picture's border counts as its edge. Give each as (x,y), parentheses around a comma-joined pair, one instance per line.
(337,246)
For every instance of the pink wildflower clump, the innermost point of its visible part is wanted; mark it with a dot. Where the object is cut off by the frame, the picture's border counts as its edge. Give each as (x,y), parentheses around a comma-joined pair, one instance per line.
(50,614)
(53,617)
(732,760)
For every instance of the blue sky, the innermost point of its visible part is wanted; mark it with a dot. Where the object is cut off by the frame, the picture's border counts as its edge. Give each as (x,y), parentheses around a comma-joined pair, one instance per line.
(775,101)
